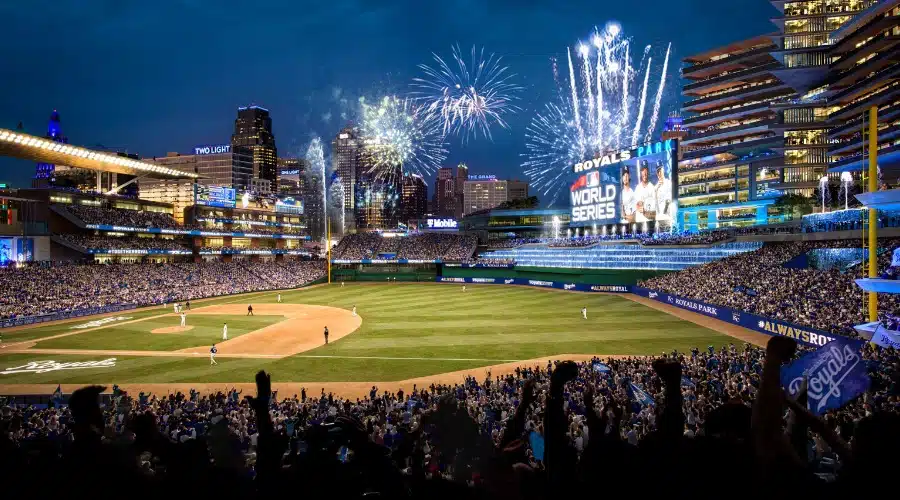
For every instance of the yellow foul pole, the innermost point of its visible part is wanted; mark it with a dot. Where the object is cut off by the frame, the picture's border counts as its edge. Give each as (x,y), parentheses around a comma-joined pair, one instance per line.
(873,213)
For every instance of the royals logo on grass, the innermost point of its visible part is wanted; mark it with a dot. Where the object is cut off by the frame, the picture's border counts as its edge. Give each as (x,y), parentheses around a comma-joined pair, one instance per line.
(100,322)
(52,366)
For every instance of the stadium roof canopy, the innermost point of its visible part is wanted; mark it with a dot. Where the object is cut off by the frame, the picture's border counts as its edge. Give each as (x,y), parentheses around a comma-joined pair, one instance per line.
(38,149)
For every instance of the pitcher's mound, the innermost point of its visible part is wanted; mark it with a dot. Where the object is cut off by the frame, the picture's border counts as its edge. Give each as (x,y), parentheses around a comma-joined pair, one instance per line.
(173,329)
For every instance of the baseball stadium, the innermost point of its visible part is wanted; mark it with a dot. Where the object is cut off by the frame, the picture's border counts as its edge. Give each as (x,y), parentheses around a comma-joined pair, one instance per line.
(715,299)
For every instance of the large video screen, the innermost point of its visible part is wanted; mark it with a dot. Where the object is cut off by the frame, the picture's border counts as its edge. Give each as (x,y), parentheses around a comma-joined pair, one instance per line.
(627,187)
(215,196)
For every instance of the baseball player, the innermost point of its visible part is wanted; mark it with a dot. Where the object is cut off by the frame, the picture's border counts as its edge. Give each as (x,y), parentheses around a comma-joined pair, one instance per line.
(326,335)
(279,298)
(342,284)
(175,306)
(464,288)
(354,310)
(225,331)
(183,319)
(250,310)
(584,312)
(212,355)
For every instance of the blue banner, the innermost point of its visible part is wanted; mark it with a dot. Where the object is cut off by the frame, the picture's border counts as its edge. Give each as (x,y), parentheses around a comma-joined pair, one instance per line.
(802,334)
(560,285)
(481,265)
(640,395)
(836,375)
(537,445)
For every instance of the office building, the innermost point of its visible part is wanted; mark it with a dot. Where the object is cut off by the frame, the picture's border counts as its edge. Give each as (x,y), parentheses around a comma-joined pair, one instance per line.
(177,192)
(377,203)
(290,175)
(803,51)
(447,200)
(217,165)
(487,192)
(413,198)
(865,72)
(347,159)
(462,175)
(253,136)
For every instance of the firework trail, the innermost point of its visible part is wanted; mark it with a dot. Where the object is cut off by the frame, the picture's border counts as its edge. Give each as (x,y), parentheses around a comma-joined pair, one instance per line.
(336,203)
(637,128)
(560,135)
(401,134)
(468,97)
(659,93)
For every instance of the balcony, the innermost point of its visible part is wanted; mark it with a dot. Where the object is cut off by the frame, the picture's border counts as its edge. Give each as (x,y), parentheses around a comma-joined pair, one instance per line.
(721,78)
(737,93)
(733,112)
(732,58)
(883,95)
(735,147)
(888,113)
(724,132)
(855,142)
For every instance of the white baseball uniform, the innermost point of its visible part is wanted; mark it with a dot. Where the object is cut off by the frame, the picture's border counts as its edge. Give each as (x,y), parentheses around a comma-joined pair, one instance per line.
(183,320)
(584,312)
(225,332)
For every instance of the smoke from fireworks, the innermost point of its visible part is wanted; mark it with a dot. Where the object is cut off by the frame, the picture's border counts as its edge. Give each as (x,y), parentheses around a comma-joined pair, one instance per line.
(468,97)
(315,176)
(399,132)
(611,91)
(336,206)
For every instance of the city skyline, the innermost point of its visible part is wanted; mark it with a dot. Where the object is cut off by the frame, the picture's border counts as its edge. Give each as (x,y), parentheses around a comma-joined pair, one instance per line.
(163,102)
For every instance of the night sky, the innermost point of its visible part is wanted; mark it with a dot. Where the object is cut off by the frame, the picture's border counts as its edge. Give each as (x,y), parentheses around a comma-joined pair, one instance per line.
(152,77)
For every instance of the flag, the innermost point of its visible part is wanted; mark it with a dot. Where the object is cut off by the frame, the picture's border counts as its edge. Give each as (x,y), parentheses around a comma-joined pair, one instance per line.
(640,395)
(836,374)
(537,445)
(57,395)
(602,368)
(686,382)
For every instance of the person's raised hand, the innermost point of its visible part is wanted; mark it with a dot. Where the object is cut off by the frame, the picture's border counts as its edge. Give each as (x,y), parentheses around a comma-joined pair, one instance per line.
(528,394)
(263,390)
(565,371)
(780,349)
(668,371)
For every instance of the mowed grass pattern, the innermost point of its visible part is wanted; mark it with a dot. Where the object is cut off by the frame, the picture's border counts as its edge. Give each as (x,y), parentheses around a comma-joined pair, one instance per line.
(408,330)
(136,335)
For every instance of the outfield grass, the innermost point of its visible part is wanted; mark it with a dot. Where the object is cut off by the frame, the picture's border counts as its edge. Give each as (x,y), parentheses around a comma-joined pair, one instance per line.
(136,335)
(450,329)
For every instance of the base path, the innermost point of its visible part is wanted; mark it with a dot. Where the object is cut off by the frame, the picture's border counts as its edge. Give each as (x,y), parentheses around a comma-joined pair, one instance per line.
(301,331)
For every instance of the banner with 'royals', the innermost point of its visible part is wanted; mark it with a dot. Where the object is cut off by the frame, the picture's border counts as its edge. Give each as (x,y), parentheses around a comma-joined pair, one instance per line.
(836,374)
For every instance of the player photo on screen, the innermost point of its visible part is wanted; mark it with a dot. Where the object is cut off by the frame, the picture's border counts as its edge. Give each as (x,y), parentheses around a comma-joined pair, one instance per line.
(646,190)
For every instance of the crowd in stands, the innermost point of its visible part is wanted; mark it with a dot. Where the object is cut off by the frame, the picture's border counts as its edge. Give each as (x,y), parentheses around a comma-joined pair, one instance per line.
(513,242)
(703,238)
(99,242)
(426,246)
(40,290)
(122,217)
(759,283)
(691,425)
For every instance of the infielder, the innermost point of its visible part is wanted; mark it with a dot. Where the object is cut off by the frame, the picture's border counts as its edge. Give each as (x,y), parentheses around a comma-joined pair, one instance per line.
(212,355)
(279,298)
(354,310)
(183,320)
(584,312)
(225,331)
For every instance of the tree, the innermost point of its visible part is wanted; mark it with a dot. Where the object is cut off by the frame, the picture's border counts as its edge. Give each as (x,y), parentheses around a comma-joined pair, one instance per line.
(794,205)
(530,202)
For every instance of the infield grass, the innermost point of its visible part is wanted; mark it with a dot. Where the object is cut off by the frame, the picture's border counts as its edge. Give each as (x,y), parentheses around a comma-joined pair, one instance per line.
(451,329)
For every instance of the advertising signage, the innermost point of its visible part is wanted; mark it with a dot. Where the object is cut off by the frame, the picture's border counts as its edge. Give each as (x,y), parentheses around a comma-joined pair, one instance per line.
(212,149)
(215,196)
(625,187)
(442,224)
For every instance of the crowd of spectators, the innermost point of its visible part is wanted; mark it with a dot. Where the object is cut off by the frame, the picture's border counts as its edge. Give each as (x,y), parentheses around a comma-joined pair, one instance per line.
(40,290)
(759,283)
(425,246)
(513,242)
(100,242)
(703,238)
(122,217)
(538,432)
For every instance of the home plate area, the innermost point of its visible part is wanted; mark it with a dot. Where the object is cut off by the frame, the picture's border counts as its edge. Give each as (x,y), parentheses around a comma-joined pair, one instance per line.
(300,331)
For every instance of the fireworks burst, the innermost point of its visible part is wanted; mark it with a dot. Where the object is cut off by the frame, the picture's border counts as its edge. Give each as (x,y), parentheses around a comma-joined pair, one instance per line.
(468,97)
(401,135)
(315,176)
(602,109)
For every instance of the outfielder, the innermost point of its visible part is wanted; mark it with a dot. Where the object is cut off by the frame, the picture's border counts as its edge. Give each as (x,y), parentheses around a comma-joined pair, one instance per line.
(279,298)
(225,331)
(584,312)
(212,355)
(464,288)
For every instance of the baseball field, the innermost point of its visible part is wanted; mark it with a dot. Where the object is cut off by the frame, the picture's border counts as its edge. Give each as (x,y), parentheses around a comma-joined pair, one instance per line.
(402,334)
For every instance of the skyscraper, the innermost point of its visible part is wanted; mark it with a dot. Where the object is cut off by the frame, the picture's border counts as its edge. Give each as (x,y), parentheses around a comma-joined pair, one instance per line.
(378,199)
(413,198)
(445,192)
(290,175)
(253,135)
(44,171)
(462,175)
(346,157)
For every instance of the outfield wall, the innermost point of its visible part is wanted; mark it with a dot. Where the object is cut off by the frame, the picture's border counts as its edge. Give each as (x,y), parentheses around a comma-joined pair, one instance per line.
(619,277)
